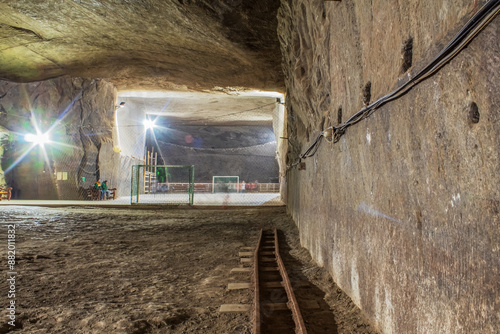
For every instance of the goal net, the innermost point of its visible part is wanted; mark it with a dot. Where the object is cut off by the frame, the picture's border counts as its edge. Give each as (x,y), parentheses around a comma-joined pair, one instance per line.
(225,184)
(162,184)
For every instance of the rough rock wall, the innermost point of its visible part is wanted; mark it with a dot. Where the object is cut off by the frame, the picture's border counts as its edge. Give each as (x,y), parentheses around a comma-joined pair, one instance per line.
(79,115)
(143,44)
(404,209)
(254,163)
(4,139)
(247,151)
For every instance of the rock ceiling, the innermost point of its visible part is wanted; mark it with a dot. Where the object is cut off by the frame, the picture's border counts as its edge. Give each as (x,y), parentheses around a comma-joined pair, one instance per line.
(143,44)
(194,108)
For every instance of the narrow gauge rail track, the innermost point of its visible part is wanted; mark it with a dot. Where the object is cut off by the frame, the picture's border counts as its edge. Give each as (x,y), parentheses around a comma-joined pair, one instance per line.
(275,307)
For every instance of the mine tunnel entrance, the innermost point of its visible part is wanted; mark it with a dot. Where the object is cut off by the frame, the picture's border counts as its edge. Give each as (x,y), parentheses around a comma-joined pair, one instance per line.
(232,143)
(233,139)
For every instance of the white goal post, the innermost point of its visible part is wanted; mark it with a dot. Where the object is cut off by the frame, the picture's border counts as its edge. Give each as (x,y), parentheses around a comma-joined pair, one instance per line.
(225,184)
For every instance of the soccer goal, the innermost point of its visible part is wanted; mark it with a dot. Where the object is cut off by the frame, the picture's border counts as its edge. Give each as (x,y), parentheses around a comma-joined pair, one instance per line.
(162,184)
(225,184)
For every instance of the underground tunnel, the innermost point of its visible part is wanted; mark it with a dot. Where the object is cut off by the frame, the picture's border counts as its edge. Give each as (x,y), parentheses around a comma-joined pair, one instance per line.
(366,133)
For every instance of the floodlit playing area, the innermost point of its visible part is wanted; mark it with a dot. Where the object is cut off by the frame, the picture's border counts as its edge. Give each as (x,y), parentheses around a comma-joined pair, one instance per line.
(209,199)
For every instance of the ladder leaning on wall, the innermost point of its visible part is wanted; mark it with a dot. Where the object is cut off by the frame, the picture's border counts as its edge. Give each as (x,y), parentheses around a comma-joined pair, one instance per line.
(149,171)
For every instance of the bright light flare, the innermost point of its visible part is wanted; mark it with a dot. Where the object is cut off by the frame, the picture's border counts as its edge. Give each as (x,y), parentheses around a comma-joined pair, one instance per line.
(149,124)
(38,139)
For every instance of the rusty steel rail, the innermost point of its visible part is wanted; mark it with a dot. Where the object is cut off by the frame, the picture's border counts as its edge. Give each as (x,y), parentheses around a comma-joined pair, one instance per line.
(257,320)
(292,304)
(292,301)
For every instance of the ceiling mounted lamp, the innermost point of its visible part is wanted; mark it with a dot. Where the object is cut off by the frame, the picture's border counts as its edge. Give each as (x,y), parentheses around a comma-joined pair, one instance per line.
(121,105)
(38,139)
(149,124)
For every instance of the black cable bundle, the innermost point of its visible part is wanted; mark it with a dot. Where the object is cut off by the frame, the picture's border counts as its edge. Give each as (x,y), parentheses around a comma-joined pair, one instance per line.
(465,35)
(468,32)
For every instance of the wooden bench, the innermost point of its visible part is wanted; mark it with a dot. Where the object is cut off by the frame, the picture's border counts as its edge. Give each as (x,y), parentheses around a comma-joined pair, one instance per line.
(94,194)
(5,193)
(112,193)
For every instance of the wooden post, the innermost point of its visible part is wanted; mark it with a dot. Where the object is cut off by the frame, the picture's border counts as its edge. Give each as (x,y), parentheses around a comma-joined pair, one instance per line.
(151,162)
(146,159)
(149,171)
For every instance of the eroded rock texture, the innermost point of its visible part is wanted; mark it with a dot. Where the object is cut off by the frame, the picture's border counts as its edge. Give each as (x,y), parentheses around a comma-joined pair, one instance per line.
(246,151)
(178,44)
(404,210)
(79,114)
(181,45)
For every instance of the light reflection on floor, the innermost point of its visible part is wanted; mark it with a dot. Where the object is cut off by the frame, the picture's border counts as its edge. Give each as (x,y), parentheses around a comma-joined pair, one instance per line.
(201,199)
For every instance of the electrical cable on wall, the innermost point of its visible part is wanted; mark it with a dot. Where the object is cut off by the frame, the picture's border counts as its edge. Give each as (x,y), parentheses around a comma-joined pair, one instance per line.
(477,23)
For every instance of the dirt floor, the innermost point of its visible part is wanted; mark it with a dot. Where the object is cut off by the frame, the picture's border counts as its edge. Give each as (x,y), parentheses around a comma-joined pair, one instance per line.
(95,270)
